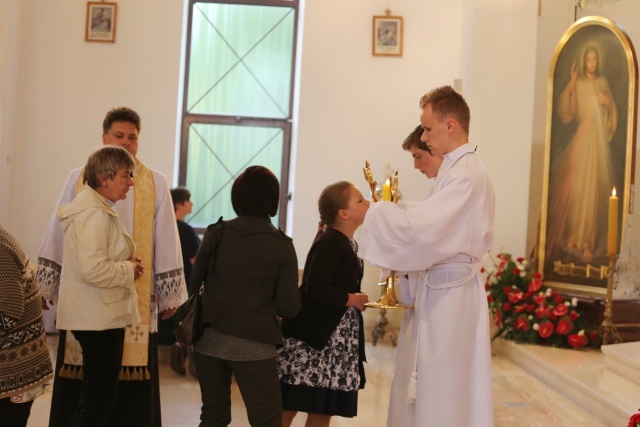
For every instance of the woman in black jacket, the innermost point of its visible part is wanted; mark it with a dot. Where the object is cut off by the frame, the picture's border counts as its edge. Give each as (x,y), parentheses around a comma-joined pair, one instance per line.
(250,272)
(321,364)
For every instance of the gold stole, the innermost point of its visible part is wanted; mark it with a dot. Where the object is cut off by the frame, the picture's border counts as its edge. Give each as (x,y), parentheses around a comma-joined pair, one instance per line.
(135,355)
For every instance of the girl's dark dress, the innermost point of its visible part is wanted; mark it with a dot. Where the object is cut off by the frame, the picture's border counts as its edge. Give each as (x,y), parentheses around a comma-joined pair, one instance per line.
(321,363)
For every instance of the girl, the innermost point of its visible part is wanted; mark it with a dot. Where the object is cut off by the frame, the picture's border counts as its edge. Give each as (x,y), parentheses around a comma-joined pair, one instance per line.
(321,363)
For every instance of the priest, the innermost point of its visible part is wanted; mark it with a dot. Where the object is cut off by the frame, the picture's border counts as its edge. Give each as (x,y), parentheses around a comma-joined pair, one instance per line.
(149,217)
(442,372)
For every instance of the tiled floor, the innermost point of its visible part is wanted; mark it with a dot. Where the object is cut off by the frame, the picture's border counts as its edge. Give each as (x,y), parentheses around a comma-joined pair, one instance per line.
(519,399)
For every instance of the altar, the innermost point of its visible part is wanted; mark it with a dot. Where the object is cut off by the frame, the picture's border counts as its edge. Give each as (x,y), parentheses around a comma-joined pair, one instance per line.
(605,383)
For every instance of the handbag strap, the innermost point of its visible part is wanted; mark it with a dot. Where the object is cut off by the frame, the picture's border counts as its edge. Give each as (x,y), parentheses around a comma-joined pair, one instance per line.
(221,223)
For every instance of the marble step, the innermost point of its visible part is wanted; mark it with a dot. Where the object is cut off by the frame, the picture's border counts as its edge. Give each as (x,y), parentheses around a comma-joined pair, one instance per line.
(624,360)
(580,376)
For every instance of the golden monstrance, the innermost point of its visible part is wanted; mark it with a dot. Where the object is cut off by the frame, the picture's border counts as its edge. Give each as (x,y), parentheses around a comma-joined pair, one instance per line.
(389,192)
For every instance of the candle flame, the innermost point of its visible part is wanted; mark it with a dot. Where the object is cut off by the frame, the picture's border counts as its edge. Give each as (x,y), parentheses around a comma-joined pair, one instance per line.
(387,181)
(613,192)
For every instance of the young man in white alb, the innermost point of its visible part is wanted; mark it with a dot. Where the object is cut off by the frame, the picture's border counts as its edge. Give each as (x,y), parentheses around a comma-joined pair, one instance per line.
(442,373)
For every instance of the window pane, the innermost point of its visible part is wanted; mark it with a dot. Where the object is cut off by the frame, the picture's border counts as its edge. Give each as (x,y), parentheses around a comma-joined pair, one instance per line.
(217,155)
(240,60)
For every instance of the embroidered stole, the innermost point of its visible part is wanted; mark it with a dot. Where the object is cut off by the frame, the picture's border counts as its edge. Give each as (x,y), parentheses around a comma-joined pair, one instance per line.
(135,355)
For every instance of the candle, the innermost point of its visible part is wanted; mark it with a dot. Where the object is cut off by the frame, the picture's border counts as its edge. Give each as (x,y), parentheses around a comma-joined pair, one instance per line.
(613,224)
(386,190)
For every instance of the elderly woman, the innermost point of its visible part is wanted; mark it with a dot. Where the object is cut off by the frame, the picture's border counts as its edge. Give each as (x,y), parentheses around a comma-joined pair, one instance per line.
(250,272)
(97,294)
(25,364)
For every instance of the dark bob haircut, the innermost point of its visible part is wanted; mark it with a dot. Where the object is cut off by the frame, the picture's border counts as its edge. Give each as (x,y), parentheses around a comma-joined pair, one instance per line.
(256,192)
(180,195)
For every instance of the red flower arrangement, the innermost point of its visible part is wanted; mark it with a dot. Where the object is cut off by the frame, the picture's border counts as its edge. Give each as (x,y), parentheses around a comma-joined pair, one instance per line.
(525,310)
(634,421)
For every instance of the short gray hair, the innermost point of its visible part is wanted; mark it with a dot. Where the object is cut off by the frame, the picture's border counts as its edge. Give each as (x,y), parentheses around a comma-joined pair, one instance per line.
(105,163)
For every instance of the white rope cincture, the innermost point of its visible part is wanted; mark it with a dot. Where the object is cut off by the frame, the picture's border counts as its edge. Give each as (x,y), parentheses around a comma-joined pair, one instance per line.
(411,391)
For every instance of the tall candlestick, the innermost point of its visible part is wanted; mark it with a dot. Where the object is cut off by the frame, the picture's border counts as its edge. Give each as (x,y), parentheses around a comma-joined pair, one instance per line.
(386,190)
(613,224)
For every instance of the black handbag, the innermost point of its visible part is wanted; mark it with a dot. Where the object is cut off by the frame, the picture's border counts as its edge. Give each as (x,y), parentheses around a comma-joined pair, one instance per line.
(188,318)
(189,330)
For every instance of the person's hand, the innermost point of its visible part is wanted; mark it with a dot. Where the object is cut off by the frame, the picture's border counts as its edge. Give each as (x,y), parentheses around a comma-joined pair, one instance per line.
(168,313)
(138,267)
(603,99)
(358,301)
(574,71)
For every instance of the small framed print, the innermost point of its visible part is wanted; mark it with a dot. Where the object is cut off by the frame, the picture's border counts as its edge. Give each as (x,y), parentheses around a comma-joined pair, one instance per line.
(387,35)
(101,22)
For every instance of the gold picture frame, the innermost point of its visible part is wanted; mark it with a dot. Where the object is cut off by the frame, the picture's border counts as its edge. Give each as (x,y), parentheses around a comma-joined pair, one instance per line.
(387,35)
(101,22)
(590,147)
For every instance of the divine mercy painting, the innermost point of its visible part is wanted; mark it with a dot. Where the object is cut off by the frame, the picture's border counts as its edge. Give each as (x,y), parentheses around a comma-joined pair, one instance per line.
(589,151)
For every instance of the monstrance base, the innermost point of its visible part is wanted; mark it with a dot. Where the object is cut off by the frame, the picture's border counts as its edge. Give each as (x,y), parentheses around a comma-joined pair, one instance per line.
(387,306)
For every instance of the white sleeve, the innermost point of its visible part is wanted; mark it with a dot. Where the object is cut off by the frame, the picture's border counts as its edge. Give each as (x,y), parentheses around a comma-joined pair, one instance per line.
(51,250)
(170,282)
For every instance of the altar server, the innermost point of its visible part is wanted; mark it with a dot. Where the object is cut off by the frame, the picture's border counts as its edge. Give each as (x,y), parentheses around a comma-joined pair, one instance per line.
(442,373)
(149,218)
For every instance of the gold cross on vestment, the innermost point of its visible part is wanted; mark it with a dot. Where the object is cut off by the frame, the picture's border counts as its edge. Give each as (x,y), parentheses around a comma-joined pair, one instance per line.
(137,334)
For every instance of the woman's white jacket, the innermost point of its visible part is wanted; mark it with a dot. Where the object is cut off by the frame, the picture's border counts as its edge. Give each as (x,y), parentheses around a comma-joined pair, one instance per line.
(96,284)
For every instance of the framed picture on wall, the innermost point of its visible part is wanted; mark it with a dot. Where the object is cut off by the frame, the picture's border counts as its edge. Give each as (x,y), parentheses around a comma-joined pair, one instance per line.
(387,35)
(590,149)
(101,22)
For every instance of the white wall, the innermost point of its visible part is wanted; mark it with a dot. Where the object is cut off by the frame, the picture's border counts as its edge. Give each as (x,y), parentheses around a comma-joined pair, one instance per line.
(352,106)
(10,29)
(499,89)
(66,85)
(356,107)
